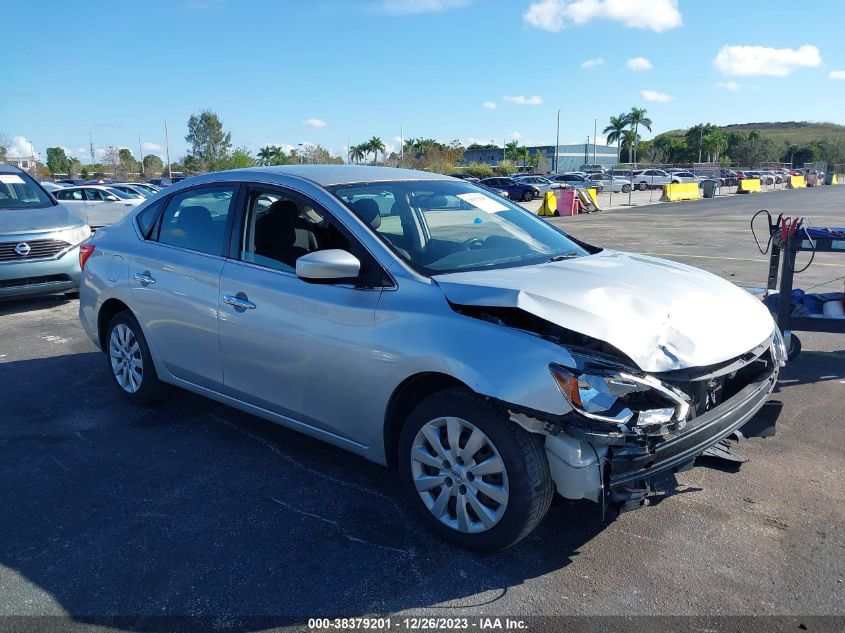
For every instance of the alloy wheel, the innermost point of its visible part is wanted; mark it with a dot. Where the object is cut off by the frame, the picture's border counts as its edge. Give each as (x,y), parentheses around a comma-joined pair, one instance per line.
(459,474)
(126,361)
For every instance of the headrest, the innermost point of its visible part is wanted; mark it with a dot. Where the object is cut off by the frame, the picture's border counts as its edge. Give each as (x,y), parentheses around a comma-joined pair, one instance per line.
(367,209)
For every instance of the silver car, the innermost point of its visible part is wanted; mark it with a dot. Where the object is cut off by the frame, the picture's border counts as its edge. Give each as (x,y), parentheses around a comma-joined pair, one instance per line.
(99,205)
(39,239)
(426,324)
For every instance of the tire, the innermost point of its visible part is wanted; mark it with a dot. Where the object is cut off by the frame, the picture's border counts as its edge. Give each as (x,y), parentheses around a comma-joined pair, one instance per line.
(519,478)
(129,362)
(642,186)
(527,196)
(794,347)
(73,294)
(626,188)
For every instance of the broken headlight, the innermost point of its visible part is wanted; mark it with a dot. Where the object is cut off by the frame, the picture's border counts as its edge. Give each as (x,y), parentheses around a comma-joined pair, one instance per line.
(614,395)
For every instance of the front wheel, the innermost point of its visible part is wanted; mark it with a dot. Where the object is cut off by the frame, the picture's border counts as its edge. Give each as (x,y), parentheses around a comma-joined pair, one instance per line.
(626,188)
(642,186)
(528,196)
(478,479)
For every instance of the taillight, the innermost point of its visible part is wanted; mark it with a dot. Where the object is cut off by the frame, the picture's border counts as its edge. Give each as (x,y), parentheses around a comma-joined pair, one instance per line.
(84,253)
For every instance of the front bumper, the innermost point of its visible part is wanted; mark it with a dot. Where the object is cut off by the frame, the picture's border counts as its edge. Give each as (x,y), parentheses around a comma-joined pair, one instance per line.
(634,469)
(45,276)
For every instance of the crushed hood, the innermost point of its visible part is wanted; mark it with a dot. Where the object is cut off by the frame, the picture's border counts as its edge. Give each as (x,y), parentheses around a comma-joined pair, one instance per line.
(51,218)
(661,314)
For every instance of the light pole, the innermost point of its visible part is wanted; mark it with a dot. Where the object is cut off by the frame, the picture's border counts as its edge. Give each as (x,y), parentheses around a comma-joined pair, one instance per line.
(595,139)
(300,152)
(557,142)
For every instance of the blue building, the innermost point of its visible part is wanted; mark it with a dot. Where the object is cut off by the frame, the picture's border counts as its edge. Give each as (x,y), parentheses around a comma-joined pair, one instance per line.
(569,157)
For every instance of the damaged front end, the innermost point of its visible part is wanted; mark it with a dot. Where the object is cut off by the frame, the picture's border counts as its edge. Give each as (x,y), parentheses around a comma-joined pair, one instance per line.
(643,428)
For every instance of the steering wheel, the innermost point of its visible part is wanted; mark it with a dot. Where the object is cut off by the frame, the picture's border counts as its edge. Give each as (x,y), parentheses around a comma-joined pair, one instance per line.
(473,242)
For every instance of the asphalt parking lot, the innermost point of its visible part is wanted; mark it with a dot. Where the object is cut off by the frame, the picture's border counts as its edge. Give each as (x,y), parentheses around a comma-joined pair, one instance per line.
(194,509)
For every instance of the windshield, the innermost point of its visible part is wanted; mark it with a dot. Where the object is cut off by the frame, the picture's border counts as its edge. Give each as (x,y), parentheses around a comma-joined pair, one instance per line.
(19,191)
(443,227)
(122,194)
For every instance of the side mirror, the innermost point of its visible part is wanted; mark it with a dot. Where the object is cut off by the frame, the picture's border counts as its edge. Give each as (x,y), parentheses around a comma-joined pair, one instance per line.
(111,198)
(331,265)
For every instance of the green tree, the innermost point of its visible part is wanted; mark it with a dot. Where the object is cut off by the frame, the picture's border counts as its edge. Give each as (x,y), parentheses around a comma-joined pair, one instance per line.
(210,144)
(512,151)
(357,153)
(629,141)
(240,159)
(714,143)
(375,145)
(638,117)
(754,150)
(84,173)
(73,167)
(153,165)
(615,131)
(57,160)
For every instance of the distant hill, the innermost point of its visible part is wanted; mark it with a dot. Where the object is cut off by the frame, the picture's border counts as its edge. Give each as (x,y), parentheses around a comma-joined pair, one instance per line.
(791,132)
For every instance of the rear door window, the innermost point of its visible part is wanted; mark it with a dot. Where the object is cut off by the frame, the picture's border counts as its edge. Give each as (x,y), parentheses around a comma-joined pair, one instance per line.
(196,219)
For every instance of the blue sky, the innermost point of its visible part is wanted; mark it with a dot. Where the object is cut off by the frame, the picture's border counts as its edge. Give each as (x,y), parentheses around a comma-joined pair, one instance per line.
(321,71)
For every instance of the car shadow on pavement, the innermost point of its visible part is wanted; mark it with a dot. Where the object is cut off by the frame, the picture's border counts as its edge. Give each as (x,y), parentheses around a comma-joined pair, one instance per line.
(31,304)
(811,367)
(136,516)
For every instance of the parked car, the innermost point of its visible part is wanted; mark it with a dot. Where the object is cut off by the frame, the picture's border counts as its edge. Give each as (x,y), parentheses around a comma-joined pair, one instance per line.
(132,190)
(592,169)
(71,181)
(542,183)
(98,205)
(264,289)
(498,192)
(49,185)
(160,182)
(651,178)
(152,189)
(577,181)
(39,239)
(616,184)
(467,177)
(684,177)
(516,190)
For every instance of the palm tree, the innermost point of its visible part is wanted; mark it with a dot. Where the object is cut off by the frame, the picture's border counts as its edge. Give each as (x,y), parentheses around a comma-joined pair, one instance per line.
(375,145)
(524,155)
(636,118)
(629,138)
(715,143)
(615,131)
(357,152)
(265,155)
(512,150)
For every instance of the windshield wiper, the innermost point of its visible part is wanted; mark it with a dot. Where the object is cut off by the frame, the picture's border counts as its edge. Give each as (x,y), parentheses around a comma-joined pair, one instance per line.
(560,258)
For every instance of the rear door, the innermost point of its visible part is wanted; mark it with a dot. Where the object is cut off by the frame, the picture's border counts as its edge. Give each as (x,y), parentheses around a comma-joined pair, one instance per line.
(74,199)
(175,276)
(101,211)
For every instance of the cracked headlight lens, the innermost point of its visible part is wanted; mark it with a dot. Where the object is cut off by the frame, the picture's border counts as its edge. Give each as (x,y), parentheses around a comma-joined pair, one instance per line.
(619,397)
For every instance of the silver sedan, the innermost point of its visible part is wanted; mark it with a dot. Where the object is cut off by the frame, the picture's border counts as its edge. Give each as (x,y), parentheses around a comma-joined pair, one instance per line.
(429,325)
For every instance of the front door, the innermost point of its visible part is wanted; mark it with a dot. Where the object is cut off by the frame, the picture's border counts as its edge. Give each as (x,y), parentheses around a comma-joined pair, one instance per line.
(289,346)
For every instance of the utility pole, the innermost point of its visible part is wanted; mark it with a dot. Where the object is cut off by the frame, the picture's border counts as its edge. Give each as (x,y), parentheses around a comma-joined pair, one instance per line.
(557,142)
(402,145)
(700,141)
(595,139)
(141,157)
(167,150)
(91,146)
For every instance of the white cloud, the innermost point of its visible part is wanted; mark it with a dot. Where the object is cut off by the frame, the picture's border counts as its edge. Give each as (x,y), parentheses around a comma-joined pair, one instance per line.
(489,105)
(314,123)
(151,147)
(730,85)
(555,15)
(638,64)
(653,95)
(520,100)
(21,147)
(415,7)
(516,136)
(837,74)
(750,61)
(592,63)
(399,140)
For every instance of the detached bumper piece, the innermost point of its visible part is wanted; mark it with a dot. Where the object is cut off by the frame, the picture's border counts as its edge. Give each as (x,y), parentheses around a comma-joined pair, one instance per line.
(636,472)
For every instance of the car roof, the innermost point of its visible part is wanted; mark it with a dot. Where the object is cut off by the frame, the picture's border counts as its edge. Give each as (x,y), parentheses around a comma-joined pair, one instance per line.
(9,169)
(326,175)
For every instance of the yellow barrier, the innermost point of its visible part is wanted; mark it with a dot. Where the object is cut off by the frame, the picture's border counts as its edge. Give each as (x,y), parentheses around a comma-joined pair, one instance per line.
(748,185)
(834,180)
(682,191)
(796,182)
(549,206)
(592,192)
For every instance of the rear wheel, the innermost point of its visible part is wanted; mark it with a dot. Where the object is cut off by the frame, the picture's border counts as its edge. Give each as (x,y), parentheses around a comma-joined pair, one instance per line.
(129,360)
(479,480)
(528,196)
(642,186)
(626,188)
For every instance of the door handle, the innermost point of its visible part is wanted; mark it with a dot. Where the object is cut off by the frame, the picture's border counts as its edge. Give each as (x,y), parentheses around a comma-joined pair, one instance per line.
(239,302)
(143,278)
